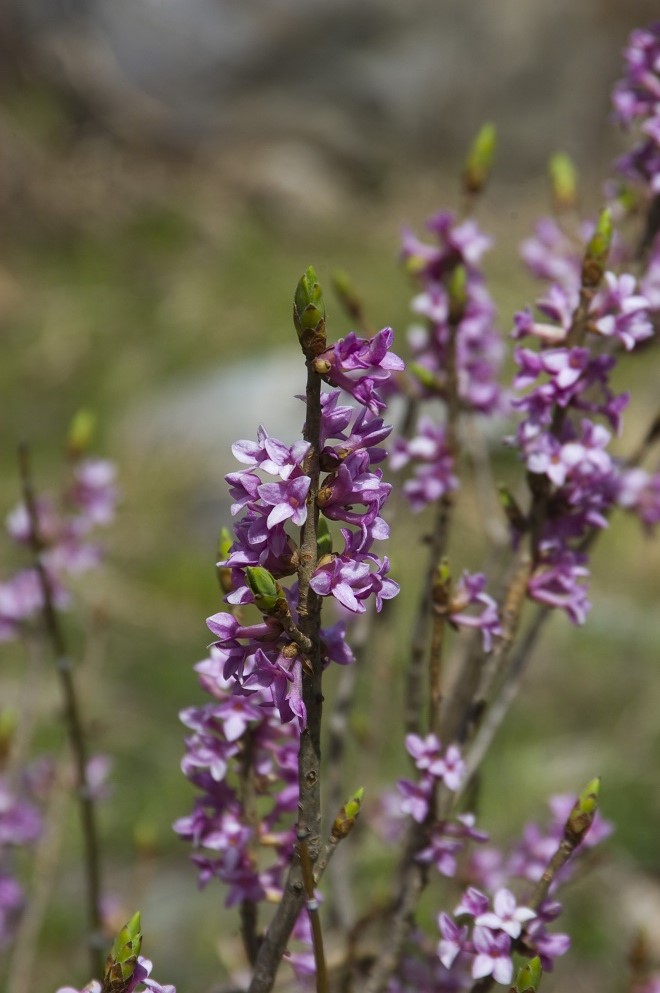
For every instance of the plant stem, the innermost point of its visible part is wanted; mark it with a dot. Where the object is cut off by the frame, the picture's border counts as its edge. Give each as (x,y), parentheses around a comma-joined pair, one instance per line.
(76,734)
(274,942)
(314,918)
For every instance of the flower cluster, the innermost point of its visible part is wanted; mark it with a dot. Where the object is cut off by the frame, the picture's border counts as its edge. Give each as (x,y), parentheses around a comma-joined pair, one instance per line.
(239,755)
(480,937)
(353,492)
(64,532)
(636,98)
(242,753)
(561,436)
(457,351)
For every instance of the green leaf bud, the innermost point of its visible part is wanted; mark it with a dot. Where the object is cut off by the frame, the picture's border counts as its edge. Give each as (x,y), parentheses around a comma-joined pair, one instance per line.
(529,977)
(512,509)
(122,959)
(346,294)
(582,815)
(81,432)
(309,314)
(563,180)
(345,819)
(223,571)
(425,377)
(323,538)
(268,595)
(479,160)
(457,293)
(597,250)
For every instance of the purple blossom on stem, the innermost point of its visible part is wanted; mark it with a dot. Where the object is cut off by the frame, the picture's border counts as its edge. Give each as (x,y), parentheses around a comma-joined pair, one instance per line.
(493,956)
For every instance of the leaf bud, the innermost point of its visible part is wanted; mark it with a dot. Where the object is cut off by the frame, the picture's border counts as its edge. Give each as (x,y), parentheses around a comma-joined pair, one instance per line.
(457,293)
(479,160)
(122,958)
(598,248)
(347,294)
(347,816)
(81,432)
(309,314)
(323,538)
(268,595)
(223,571)
(529,977)
(583,813)
(563,181)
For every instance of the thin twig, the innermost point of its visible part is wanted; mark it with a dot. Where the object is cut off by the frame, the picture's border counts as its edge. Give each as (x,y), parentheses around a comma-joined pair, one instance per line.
(314,918)
(44,867)
(76,734)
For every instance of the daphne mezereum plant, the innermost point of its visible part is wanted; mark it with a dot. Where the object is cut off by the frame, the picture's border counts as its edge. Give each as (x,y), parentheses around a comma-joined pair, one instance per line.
(305,579)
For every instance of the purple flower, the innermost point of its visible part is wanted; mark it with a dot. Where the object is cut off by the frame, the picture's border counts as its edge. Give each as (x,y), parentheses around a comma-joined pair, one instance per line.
(359,365)
(453,941)
(473,903)
(271,455)
(493,956)
(506,915)
(470,592)
(288,500)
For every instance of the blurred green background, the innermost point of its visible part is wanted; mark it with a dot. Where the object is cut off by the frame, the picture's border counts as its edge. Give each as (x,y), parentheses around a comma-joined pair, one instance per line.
(159,198)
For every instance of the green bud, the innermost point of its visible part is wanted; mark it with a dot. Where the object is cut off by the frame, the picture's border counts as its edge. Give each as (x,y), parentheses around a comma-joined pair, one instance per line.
(597,250)
(529,977)
(441,587)
(223,572)
(563,180)
(8,722)
(345,819)
(120,963)
(582,815)
(323,538)
(309,314)
(267,591)
(425,377)
(512,509)
(346,293)
(479,160)
(457,293)
(81,432)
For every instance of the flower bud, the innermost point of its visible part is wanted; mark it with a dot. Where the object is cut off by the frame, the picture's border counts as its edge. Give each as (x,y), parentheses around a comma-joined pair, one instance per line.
(563,181)
(597,250)
(309,314)
(479,160)
(122,959)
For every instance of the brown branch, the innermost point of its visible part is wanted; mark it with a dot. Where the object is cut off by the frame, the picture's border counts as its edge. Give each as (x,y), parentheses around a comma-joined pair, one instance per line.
(76,734)
(314,919)
(274,942)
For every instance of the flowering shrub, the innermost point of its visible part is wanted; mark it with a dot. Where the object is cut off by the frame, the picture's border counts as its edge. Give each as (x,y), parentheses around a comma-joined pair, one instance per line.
(305,583)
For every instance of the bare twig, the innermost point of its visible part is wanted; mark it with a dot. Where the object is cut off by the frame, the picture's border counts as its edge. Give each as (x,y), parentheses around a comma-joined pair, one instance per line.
(76,734)
(314,918)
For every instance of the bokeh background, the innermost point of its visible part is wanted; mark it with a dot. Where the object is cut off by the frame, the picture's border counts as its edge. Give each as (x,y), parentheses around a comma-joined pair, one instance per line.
(167,170)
